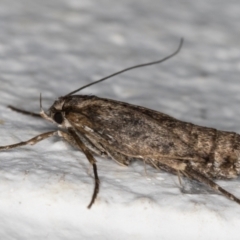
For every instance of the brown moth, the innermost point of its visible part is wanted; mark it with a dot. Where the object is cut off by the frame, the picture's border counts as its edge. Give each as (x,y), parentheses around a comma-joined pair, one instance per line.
(125,132)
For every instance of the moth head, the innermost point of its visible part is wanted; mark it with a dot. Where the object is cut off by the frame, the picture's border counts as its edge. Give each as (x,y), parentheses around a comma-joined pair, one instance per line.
(55,113)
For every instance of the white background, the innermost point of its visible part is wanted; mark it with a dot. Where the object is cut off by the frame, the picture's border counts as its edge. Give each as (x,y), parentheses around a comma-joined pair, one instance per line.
(55,46)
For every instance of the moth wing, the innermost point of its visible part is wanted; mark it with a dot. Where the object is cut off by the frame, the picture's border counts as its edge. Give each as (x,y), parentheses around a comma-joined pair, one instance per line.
(130,130)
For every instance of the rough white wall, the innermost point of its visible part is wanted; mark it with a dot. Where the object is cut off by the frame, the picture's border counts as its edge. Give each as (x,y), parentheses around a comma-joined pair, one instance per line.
(55,46)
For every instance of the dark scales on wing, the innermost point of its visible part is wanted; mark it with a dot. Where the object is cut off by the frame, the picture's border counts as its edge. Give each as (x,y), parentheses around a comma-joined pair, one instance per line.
(138,132)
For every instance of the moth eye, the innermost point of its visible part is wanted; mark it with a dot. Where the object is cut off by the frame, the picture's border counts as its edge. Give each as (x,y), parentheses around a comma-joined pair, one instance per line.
(58,118)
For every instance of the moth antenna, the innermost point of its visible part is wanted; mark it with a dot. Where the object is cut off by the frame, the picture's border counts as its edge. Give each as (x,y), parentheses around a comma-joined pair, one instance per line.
(129,68)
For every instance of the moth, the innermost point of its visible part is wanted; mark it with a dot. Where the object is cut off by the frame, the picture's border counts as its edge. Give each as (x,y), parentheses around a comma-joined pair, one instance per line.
(126,133)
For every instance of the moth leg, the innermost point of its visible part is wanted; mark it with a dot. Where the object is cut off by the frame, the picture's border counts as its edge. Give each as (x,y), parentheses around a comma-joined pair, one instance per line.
(31,141)
(179,178)
(145,168)
(103,146)
(119,158)
(151,162)
(69,138)
(24,112)
(201,178)
(91,159)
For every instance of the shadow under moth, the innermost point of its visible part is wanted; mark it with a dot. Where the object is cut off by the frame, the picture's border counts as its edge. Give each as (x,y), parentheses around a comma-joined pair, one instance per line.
(126,132)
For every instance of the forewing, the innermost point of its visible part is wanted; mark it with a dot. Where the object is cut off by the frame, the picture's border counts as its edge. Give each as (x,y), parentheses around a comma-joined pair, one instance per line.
(129,129)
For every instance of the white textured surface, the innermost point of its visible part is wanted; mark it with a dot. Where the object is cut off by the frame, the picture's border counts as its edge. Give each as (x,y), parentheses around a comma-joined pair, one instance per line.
(55,46)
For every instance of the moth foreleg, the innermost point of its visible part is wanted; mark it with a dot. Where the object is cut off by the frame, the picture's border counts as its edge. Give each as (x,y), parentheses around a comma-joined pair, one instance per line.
(31,141)
(188,171)
(24,112)
(91,159)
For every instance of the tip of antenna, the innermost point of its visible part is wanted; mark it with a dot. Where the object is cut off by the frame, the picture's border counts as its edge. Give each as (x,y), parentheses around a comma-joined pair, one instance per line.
(130,68)
(181,40)
(180,44)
